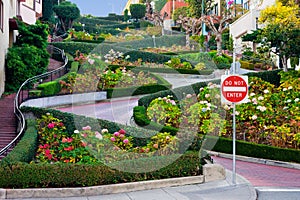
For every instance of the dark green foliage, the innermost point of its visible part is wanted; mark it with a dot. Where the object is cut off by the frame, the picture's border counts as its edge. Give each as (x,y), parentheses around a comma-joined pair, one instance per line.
(23,63)
(28,57)
(224,145)
(137,11)
(23,175)
(72,47)
(162,41)
(25,149)
(67,12)
(49,88)
(246,65)
(35,35)
(47,10)
(270,76)
(145,24)
(147,57)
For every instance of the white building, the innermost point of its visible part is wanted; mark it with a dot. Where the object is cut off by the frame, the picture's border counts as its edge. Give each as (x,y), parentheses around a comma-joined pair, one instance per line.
(26,10)
(249,21)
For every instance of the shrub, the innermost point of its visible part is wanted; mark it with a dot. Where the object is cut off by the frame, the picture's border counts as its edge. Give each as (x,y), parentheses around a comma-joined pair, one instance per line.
(246,65)
(72,47)
(23,63)
(49,88)
(74,67)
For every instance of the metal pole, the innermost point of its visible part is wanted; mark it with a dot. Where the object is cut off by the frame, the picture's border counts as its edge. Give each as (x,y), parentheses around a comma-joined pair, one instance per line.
(233,149)
(234,128)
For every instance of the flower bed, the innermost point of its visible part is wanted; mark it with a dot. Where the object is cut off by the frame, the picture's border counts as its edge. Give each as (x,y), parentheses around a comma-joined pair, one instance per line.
(271,116)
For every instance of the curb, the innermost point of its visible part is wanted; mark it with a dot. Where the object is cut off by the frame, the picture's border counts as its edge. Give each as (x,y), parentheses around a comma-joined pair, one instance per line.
(98,190)
(257,160)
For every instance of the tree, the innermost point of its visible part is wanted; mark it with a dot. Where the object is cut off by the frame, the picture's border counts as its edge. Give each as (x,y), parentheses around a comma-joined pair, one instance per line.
(191,25)
(217,24)
(126,17)
(282,30)
(195,7)
(67,12)
(183,11)
(137,11)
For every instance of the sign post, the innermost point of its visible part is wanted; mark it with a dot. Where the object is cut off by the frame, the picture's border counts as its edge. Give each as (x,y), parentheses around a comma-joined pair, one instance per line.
(234,89)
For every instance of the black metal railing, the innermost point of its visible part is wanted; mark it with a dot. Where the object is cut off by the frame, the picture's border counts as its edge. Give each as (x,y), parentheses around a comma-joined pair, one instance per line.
(23,93)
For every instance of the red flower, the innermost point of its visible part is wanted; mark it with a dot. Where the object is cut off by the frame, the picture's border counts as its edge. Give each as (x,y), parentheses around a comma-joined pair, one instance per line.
(70,148)
(122,131)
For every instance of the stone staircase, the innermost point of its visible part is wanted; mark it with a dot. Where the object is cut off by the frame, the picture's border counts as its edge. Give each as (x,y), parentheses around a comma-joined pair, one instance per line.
(7,121)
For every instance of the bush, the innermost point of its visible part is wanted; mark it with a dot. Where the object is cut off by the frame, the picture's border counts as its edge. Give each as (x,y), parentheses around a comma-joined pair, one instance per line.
(246,65)
(23,63)
(23,175)
(224,145)
(74,67)
(49,88)
(72,47)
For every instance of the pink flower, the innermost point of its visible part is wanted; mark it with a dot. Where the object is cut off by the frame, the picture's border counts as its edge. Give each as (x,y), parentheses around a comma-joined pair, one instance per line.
(70,148)
(51,125)
(113,139)
(98,135)
(84,135)
(121,136)
(64,140)
(86,128)
(116,134)
(69,140)
(126,141)
(47,152)
(122,131)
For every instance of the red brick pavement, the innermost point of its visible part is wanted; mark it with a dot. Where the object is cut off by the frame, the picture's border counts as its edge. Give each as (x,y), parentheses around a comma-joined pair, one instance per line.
(261,175)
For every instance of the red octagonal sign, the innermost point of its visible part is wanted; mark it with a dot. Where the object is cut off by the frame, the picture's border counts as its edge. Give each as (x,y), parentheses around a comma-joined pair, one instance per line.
(234,88)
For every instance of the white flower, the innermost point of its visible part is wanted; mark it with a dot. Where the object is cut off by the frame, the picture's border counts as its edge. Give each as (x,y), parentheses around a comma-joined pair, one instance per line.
(208,105)
(266,91)
(226,107)
(260,98)
(207,95)
(127,57)
(254,100)
(252,94)
(285,108)
(261,108)
(91,61)
(296,100)
(290,87)
(201,89)
(254,117)
(104,131)
(288,101)
(284,89)
(76,131)
(237,112)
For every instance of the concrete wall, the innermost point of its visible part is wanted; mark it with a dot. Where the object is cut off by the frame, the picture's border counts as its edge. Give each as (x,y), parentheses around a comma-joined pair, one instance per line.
(29,14)
(9,11)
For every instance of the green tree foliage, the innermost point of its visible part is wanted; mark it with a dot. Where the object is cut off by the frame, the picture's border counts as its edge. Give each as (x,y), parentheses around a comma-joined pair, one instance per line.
(183,11)
(28,56)
(126,17)
(159,4)
(282,30)
(47,9)
(137,11)
(67,12)
(195,7)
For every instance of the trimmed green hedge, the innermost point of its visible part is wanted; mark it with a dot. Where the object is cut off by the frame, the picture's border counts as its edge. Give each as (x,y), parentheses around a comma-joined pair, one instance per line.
(23,175)
(99,40)
(224,145)
(49,88)
(72,47)
(74,67)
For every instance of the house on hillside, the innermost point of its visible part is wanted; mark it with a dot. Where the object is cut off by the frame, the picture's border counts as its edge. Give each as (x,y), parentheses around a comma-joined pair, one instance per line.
(168,10)
(249,21)
(26,10)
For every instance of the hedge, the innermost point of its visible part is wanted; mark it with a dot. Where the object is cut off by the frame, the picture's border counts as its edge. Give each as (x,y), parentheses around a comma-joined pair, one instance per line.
(72,47)
(224,145)
(49,88)
(162,41)
(246,65)
(24,175)
(15,172)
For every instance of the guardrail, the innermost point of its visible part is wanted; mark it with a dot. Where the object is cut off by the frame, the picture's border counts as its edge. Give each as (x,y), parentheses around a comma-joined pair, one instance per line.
(23,94)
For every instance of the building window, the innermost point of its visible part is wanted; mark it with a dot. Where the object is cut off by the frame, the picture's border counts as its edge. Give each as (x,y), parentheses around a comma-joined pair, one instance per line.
(1,15)
(30,4)
(246,5)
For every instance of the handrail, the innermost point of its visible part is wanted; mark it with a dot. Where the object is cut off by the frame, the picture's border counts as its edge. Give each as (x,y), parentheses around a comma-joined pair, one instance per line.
(20,99)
